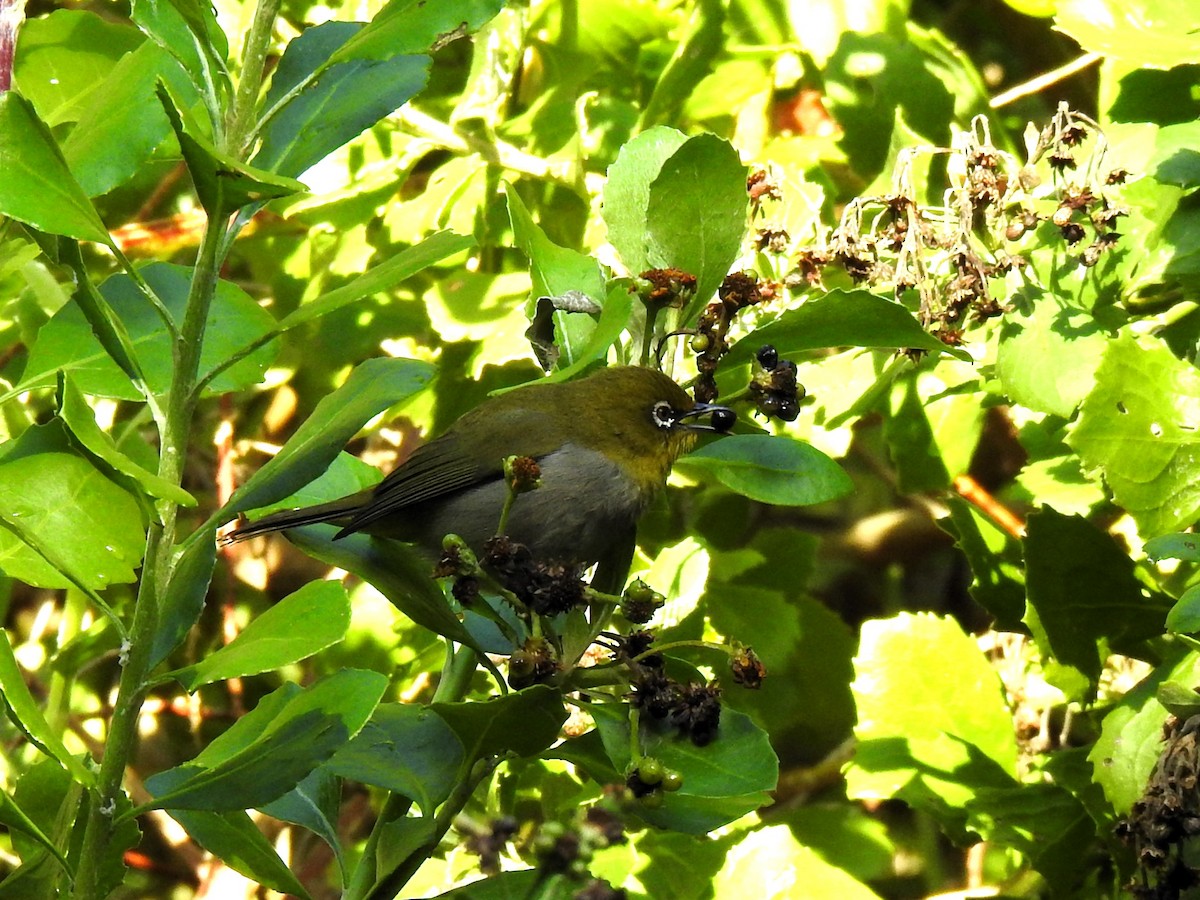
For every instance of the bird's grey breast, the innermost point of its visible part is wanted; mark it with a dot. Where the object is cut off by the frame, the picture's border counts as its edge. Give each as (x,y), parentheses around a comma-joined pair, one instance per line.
(585,504)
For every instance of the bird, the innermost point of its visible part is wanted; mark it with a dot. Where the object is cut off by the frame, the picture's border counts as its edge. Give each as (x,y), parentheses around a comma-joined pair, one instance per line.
(604,443)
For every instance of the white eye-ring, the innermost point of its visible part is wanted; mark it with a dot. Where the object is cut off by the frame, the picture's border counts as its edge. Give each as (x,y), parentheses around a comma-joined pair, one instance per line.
(663,414)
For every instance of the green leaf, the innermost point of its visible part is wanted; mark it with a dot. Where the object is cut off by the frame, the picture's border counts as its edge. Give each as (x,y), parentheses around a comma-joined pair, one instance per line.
(929,740)
(372,387)
(1156,34)
(346,99)
(696,214)
(1175,159)
(627,192)
(234,320)
(1048,361)
(185,596)
(23,710)
(223,183)
(188,30)
(58,503)
(235,840)
(699,45)
(415,26)
(117,133)
(301,624)
(1184,546)
(772,469)
(805,646)
(79,418)
(998,585)
(524,722)
(14,819)
(382,277)
(1139,427)
(63,59)
(1184,617)
(406,749)
(38,188)
(555,271)
(1181,701)
(721,781)
(313,804)
(911,444)
(1083,595)
(1042,821)
(840,319)
(870,82)
(1131,737)
(262,757)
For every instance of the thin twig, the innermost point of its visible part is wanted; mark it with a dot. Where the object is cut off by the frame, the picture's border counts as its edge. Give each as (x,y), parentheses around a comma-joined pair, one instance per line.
(1034,85)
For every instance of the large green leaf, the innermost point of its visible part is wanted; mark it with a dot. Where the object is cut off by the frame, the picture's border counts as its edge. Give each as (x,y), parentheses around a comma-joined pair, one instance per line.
(38,187)
(314,804)
(627,192)
(80,419)
(336,107)
(772,469)
(270,750)
(1140,427)
(1158,34)
(929,740)
(415,26)
(118,132)
(696,213)
(58,508)
(407,749)
(721,782)
(874,79)
(1083,595)
(555,271)
(1047,361)
(840,319)
(188,30)
(67,342)
(301,624)
(16,821)
(524,722)
(63,59)
(234,839)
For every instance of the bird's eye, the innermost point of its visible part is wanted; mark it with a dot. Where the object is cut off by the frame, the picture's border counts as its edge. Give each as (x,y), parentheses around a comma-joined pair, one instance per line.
(663,414)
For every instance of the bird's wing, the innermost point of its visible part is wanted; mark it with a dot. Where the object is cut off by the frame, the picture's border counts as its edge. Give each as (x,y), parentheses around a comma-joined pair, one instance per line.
(446,466)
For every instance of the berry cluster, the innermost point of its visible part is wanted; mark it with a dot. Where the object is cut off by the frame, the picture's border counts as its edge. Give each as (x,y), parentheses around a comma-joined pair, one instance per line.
(560,849)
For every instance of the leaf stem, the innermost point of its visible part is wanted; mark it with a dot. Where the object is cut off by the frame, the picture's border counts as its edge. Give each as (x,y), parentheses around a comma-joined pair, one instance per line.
(242,134)
(156,572)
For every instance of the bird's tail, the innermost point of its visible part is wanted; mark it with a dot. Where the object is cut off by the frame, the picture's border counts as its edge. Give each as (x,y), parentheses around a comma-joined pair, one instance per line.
(336,512)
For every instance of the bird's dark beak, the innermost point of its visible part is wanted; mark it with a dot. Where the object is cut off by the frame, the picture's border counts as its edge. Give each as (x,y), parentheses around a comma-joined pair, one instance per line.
(720,418)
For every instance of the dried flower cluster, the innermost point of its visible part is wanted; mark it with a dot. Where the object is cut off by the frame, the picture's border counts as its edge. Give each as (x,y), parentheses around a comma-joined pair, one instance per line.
(1164,824)
(951,254)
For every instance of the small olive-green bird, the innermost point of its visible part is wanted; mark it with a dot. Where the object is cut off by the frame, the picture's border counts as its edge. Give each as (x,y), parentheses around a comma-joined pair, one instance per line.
(605,445)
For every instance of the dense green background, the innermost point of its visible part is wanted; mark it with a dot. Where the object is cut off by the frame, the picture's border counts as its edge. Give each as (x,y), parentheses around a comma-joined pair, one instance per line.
(971,646)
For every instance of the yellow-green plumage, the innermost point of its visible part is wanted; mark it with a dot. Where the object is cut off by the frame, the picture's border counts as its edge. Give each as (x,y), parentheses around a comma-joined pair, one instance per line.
(605,444)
